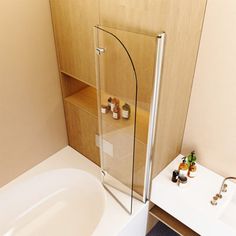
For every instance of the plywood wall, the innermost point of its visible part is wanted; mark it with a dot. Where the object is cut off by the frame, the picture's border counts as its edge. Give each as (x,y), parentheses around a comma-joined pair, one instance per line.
(32,123)
(73,27)
(211,123)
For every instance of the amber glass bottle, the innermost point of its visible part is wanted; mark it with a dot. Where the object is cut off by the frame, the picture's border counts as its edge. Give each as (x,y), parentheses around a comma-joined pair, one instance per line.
(183,167)
(192,170)
(116,112)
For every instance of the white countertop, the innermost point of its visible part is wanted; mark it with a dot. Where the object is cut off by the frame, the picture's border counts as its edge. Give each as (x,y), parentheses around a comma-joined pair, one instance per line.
(191,204)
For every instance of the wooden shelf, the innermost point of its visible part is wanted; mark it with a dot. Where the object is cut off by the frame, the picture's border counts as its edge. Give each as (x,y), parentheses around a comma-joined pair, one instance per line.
(86,99)
(172,222)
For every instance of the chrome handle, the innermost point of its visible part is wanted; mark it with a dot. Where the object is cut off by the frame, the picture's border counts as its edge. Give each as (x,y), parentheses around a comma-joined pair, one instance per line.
(224,188)
(214,201)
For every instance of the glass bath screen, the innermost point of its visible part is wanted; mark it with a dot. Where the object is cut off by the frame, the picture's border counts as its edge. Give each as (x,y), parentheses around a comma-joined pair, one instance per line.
(125,65)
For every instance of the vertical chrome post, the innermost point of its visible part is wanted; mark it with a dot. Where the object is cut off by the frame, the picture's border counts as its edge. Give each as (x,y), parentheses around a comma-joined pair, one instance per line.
(153,114)
(98,53)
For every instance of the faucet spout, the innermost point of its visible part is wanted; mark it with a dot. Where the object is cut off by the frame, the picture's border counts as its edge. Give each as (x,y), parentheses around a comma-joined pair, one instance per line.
(224,185)
(223,189)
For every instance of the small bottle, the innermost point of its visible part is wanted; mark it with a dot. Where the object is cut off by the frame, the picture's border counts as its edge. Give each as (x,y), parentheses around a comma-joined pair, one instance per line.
(109,102)
(191,158)
(104,109)
(183,167)
(126,111)
(116,112)
(192,170)
(182,181)
(175,176)
(114,102)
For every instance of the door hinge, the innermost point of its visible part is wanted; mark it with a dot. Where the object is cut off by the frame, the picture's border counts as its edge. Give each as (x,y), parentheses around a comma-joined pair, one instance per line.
(100,51)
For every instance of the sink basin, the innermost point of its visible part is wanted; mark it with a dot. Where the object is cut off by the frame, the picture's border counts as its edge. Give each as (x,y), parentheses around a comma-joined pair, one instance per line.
(201,216)
(228,215)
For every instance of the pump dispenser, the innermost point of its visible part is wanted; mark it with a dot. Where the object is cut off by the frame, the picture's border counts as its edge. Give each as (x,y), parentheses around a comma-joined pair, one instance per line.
(183,167)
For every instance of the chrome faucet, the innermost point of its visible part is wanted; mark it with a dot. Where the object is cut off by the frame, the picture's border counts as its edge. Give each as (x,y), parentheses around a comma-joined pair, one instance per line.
(223,189)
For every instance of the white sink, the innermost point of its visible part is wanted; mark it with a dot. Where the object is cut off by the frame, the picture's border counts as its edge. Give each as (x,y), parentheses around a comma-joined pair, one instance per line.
(228,215)
(198,213)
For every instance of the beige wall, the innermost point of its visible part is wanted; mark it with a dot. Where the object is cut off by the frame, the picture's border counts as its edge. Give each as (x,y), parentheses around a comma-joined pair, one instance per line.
(32,123)
(211,122)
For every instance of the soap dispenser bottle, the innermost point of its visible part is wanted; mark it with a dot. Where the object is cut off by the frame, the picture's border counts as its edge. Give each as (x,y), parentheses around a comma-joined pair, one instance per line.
(192,170)
(183,167)
(191,158)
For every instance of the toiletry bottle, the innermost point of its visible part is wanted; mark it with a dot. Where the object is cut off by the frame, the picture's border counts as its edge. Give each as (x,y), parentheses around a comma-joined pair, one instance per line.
(175,176)
(104,109)
(126,111)
(192,170)
(182,181)
(114,102)
(109,101)
(183,167)
(116,112)
(191,158)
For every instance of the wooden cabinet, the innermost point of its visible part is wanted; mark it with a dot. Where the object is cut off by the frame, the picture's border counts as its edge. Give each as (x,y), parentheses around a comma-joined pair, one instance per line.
(82,127)
(73,22)
(171,222)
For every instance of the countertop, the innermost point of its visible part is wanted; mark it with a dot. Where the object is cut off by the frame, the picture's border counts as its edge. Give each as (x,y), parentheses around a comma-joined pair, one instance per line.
(191,204)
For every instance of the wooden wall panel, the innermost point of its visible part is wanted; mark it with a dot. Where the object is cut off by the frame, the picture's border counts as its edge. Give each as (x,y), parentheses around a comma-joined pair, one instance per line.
(82,128)
(182,21)
(73,27)
(70,85)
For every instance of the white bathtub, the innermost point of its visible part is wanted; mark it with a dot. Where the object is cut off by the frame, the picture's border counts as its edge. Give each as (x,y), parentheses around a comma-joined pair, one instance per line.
(63,196)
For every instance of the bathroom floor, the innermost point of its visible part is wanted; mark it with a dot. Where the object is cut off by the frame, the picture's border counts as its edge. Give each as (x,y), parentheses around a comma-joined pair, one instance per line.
(162,230)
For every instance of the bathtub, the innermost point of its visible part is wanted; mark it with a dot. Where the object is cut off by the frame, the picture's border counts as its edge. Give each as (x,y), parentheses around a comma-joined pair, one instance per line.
(63,196)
